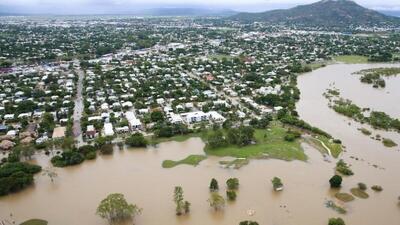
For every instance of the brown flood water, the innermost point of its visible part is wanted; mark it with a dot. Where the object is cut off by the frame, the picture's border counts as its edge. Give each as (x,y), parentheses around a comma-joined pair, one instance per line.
(73,197)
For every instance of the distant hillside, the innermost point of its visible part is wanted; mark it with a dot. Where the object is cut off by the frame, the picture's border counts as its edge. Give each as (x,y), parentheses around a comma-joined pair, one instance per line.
(186,12)
(332,13)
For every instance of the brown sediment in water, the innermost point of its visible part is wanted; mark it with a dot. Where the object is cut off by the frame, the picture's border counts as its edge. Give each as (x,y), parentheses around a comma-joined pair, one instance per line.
(76,192)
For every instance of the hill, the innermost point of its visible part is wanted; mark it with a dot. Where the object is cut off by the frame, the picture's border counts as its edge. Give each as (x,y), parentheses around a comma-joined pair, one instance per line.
(331,13)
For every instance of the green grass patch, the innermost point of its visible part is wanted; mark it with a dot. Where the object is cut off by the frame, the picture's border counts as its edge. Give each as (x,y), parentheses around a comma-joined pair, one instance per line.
(365,131)
(335,148)
(193,160)
(235,164)
(352,59)
(220,56)
(359,193)
(35,222)
(344,197)
(270,143)
(388,143)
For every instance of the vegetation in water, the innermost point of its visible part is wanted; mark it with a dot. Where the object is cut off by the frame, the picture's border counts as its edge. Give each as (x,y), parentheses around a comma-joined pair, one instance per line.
(344,197)
(216,201)
(35,222)
(377,188)
(115,208)
(193,160)
(67,158)
(336,221)
(247,222)
(136,140)
(359,193)
(365,131)
(235,164)
(343,168)
(232,183)
(389,143)
(214,185)
(182,206)
(335,181)
(15,176)
(277,183)
(374,76)
(334,206)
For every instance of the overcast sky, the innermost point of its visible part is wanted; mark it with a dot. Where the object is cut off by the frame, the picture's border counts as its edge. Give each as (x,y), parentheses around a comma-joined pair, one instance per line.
(102,6)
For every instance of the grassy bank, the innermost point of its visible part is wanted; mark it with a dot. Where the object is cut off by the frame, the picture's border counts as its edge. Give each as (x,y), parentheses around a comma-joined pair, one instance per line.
(351,59)
(193,160)
(269,143)
(316,142)
(178,138)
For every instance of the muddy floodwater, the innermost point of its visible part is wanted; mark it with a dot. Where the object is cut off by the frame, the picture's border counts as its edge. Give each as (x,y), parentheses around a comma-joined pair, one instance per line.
(137,173)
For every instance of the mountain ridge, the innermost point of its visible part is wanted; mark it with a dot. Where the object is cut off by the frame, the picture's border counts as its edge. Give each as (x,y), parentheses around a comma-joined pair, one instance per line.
(332,13)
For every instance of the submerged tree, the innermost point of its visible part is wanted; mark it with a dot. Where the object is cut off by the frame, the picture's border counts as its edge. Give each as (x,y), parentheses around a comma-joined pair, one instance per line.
(181,205)
(216,201)
(336,221)
(277,184)
(335,181)
(50,173)
(214,185)
(115,208)
(178,199)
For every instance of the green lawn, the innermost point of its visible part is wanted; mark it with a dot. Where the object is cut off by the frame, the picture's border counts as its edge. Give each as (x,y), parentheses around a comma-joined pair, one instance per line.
(351,59)
(269,143)
(193,160)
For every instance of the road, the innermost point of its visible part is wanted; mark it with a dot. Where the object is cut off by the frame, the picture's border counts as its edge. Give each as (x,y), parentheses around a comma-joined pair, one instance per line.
(78,110)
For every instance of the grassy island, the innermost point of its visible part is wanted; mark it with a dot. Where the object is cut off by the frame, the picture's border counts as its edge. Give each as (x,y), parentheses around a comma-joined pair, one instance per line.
(193,160)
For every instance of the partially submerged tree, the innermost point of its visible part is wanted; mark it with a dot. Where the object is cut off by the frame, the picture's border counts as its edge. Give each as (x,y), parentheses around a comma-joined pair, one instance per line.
(50,173)
(336,221)
(232,183)
(214,185)
(216,201)
(335,181)
(277,184)
(115,208)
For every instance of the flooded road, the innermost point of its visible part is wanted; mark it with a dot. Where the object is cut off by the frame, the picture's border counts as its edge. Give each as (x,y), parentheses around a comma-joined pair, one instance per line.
(137,173)
(78,110)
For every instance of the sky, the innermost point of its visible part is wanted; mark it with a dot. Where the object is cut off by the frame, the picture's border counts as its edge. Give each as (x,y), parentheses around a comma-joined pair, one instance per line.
(115,6)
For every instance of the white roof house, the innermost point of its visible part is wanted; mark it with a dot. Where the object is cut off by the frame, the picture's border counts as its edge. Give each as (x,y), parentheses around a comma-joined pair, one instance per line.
(108,129)
(175,118)
(134,123)
(194,117)
(215,116)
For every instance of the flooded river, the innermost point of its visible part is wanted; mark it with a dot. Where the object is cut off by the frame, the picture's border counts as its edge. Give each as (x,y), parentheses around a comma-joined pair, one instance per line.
(137,173)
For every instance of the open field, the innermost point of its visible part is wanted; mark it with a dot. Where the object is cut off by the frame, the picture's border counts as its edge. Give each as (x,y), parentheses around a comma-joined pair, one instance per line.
(270,143)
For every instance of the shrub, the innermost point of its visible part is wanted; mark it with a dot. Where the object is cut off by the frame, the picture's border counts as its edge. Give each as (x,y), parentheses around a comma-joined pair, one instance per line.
(336,221)
(335,181)
(136,140)
(90,155)
(16,176)
(67,158)
(362,186)
(107,149)
(248,223)
(232,183)
(214,185)
(231,195)
(377,188)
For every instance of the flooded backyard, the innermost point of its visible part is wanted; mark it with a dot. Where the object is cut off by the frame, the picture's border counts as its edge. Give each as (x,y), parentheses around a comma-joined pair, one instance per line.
(137,173)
